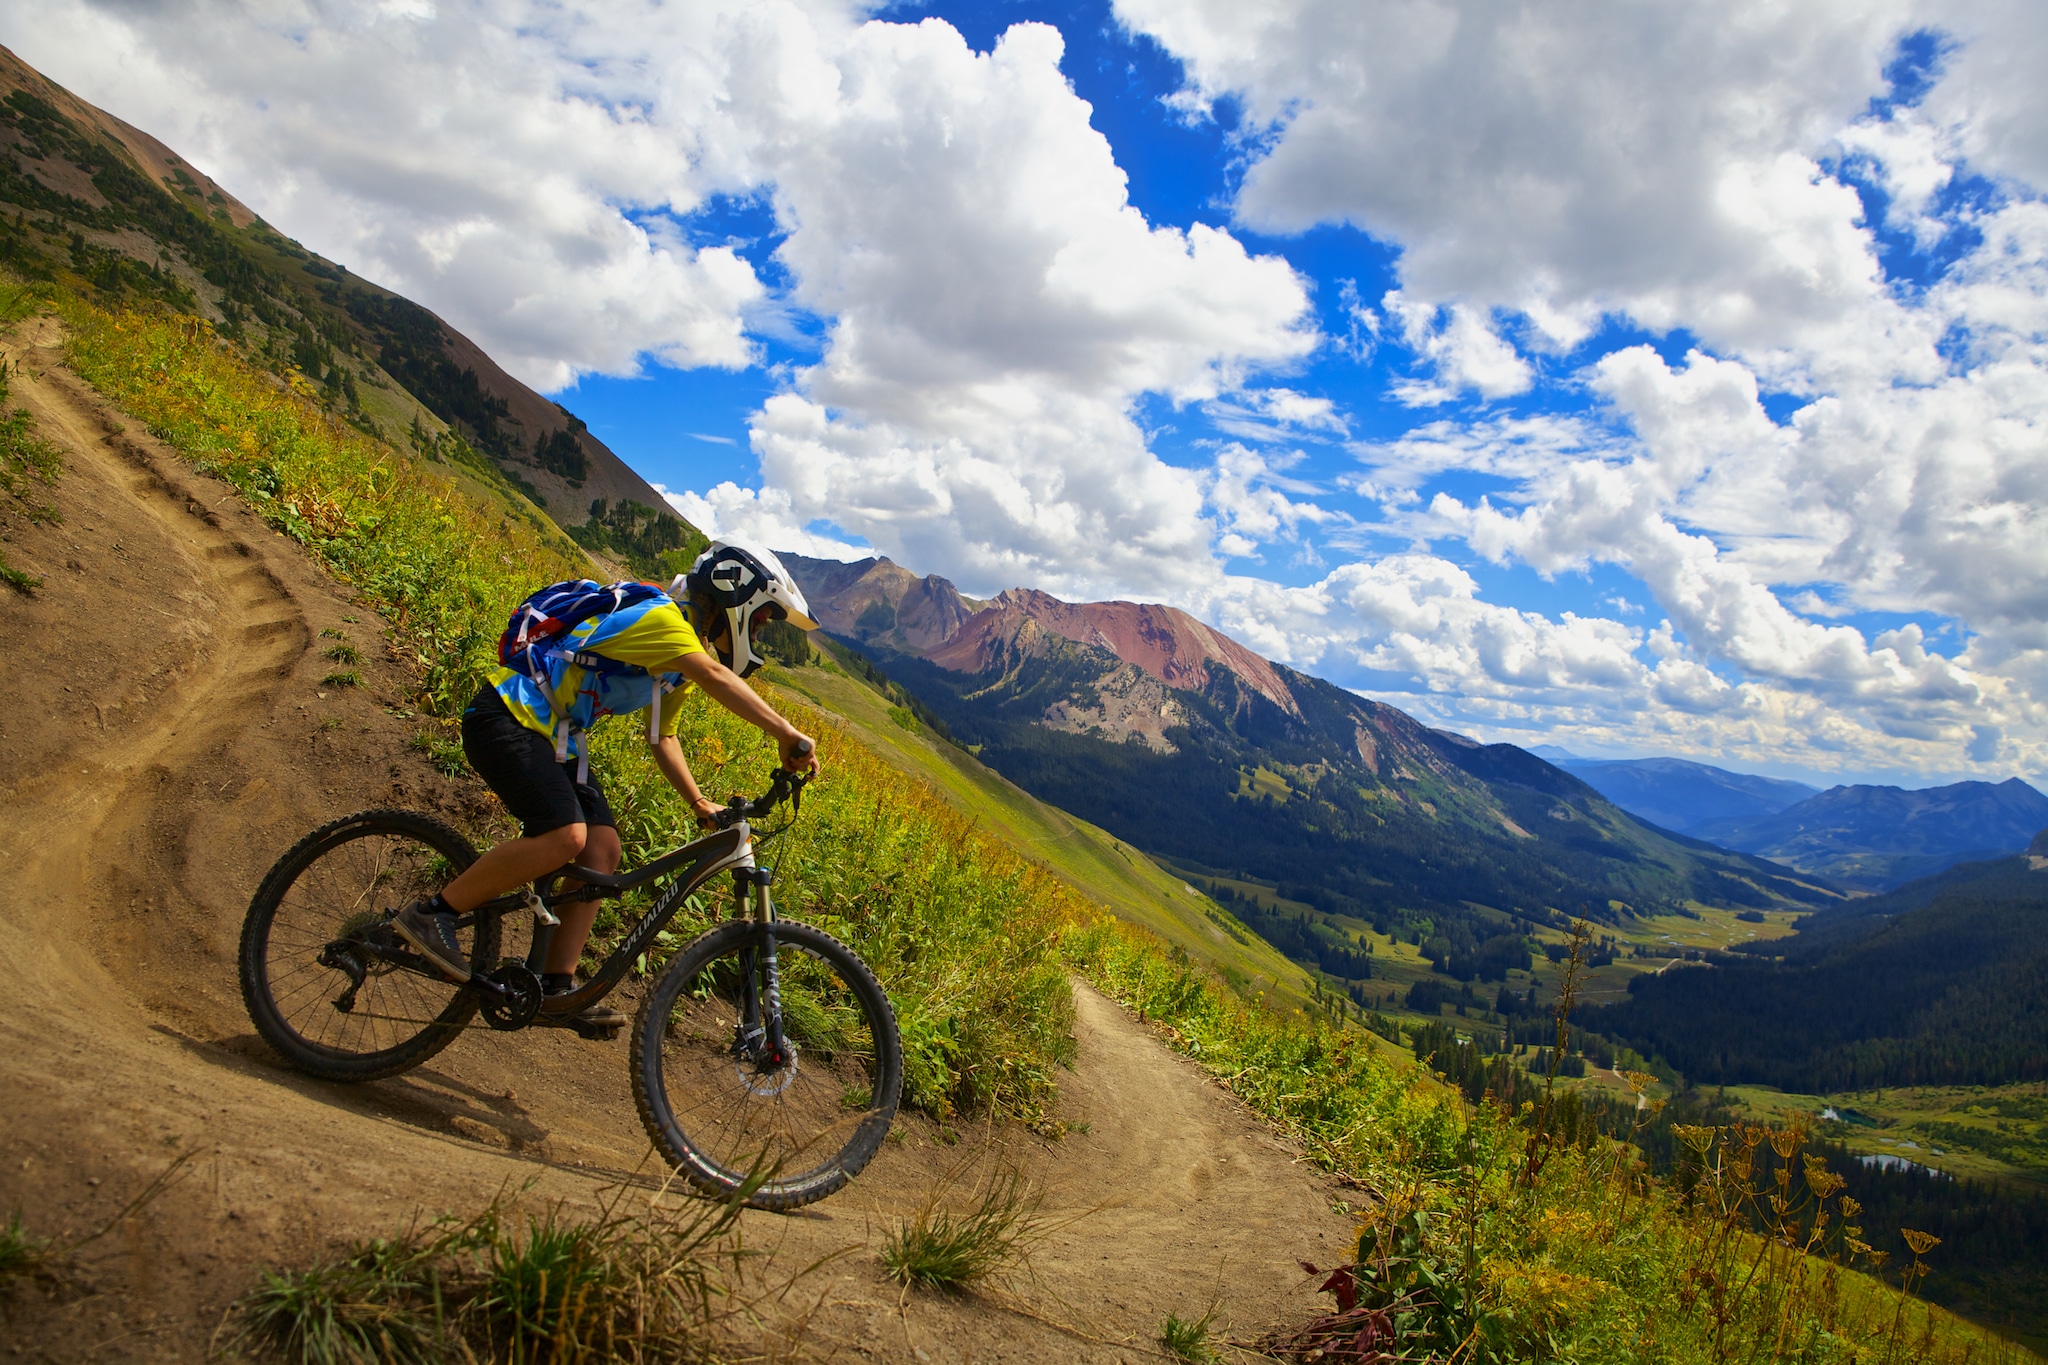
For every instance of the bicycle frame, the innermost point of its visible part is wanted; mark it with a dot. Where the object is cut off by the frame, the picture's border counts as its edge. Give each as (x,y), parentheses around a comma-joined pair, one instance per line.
(730,849)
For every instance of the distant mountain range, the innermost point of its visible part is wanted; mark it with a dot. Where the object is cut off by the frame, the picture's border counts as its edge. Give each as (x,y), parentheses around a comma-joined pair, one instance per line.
(1867,837)
(1183,742)
(1941,982)
(102,202)
(1682,795)
(1880,837)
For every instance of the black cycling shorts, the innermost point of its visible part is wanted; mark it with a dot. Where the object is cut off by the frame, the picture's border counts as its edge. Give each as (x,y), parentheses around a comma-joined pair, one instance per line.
(519,765)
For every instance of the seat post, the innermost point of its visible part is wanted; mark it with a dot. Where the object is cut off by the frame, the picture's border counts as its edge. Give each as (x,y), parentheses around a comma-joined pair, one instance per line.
(543,935)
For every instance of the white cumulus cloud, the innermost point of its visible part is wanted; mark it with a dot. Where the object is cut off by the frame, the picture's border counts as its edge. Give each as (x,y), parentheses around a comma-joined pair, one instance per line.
(997,306)
(516,166)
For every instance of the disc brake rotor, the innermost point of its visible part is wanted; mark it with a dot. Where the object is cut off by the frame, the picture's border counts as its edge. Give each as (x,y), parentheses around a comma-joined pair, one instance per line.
(763,1078)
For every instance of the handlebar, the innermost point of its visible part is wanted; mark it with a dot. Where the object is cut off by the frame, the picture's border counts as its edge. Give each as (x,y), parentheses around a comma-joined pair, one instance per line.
(784,786)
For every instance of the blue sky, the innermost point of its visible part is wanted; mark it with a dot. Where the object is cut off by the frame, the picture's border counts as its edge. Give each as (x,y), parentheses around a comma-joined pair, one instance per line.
(1659,380)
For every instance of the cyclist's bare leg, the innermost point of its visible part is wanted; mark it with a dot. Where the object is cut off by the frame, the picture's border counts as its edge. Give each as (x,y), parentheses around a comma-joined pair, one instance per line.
(600,854)
(517,861)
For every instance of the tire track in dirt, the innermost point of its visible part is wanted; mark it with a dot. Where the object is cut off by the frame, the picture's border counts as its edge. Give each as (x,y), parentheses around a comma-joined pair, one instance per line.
(169,736)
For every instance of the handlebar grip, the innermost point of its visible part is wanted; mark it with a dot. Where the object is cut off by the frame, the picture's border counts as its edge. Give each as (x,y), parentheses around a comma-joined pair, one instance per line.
(804,748)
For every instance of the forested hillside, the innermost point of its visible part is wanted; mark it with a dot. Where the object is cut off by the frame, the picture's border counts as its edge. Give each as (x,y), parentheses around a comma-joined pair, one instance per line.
(1943,982)
(1361,810)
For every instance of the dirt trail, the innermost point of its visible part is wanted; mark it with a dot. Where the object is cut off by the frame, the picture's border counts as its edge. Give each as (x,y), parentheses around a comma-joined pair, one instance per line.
(167,733)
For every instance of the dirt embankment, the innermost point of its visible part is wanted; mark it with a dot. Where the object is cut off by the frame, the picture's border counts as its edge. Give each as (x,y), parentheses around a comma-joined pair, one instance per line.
(167,732)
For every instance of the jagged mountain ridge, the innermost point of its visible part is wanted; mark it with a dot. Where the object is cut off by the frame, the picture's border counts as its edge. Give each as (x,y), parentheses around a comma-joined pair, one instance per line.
(113,206)
(1164,642)
(1184,742)
(880,600)
(1879,837)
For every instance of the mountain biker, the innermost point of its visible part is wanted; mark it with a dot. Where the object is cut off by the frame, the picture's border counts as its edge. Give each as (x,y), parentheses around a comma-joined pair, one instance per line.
(510,736)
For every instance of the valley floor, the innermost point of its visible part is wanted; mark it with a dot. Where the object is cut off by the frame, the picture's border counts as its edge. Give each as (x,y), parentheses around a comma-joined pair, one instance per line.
(1971,1132)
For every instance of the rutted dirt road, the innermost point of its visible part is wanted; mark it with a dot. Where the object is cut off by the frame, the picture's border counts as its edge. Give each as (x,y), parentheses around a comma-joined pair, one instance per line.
(166,734)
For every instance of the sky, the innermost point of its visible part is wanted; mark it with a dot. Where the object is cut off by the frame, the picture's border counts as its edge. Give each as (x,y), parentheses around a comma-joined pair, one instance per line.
(1633,378)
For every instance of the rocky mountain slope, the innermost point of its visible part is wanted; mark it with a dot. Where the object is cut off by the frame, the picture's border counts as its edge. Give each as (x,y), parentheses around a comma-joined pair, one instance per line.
(83,192)
(1682,795)
(1880,837)
(1171,735)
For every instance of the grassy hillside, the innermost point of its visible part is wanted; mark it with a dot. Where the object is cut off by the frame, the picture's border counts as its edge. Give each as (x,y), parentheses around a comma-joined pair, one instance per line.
(99,206)
(1494,1235)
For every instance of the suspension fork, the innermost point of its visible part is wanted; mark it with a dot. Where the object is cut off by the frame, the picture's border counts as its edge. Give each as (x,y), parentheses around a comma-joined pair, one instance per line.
(764,989)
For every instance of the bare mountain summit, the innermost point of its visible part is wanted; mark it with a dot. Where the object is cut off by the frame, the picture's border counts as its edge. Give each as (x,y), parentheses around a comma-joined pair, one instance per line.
(1164,642)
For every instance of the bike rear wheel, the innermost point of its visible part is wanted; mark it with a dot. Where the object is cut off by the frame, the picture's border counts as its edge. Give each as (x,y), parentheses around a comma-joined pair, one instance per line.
(723,1110)
(322,916)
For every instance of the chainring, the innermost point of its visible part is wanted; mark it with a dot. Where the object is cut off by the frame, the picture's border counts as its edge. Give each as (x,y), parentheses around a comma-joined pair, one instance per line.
(520,1002)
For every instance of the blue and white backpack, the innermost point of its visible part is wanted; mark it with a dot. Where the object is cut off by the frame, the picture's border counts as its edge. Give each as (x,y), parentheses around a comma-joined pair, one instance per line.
(535,630)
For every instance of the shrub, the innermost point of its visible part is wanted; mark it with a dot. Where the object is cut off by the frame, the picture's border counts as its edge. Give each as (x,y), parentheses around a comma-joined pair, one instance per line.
(947,1249)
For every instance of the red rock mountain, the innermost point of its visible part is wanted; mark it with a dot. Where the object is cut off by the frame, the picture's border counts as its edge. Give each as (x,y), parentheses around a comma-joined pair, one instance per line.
(1158,652)
(879,600)
(1164,642)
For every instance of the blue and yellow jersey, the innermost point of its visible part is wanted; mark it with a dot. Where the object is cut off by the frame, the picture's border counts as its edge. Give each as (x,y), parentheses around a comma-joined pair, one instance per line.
(646,634)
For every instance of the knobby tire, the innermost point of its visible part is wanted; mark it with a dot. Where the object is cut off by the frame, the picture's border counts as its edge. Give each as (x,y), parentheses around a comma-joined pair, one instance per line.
(712,1142)
(315,881)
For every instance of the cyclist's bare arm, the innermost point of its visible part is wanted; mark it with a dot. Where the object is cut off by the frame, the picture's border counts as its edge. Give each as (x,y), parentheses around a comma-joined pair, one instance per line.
(668,756)
(723,686)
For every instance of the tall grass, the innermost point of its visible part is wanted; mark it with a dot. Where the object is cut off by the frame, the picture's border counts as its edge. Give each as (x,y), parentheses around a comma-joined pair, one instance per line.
(21,1251)
(26,460)
(510,1286)
(959,1238)
(959,928)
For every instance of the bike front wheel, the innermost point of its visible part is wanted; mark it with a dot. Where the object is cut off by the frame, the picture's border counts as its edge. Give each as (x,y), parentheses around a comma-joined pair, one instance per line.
(322,972)
(725,1106)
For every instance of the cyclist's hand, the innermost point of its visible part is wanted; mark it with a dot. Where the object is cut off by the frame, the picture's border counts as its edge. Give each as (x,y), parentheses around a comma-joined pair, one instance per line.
(707,812)
(799,753)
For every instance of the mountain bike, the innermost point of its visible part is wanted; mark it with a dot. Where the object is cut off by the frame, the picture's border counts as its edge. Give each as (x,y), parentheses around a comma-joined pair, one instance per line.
(763,1044)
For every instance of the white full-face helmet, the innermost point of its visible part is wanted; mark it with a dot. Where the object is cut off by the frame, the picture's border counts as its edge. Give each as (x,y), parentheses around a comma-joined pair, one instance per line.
(747,585)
